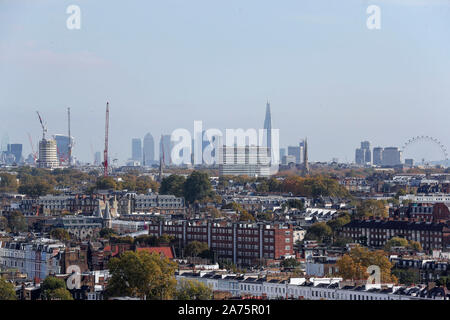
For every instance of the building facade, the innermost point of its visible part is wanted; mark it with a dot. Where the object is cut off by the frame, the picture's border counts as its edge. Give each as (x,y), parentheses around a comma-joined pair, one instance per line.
(241,243)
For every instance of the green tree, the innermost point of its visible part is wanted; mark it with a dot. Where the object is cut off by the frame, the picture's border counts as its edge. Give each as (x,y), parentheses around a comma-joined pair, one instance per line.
(315,186)
(17,222)
(197,187)
(106,183)
(406,276)
(144,183)
(173,184)
(245,216)
(263,186)
(7,291)
(60,234)
(375,208)
(8,182)
(339,222)
(195,248)
(402,242)
(340,241)
(3,223)
(400,192)
(295,203)
(53,288)
(36,187)
(395,242)
(290,263)
(354,264)
(319,231)
(141,274)
(193,290)
(415,245)
(106,233)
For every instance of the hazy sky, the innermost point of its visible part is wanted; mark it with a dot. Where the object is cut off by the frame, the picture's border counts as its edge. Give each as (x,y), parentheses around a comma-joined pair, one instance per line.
(163,64)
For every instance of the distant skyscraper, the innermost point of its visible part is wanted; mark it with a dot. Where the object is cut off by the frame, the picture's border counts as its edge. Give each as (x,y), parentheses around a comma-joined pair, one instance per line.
(294,151)
(48,157)
(136,149)
(97,158)
(363,155)
(4,142)
(62,145)
(16,150)
(166,144)
(282,152)
(359,156)
(378,156)
(392,156)
(268,127)
(302,151)
(365,145)
(149,150)
(288,159)
(409,162)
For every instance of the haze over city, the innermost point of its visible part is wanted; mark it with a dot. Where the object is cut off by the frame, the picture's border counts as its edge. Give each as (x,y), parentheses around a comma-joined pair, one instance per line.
(222,159)
(162,65)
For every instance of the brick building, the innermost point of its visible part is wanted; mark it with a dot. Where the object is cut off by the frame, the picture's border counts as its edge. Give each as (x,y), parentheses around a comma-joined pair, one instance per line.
(376,232)
(240,243)
(424,211)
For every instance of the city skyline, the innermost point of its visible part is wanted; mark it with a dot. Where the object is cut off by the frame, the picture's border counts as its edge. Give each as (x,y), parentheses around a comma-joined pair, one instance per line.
(324,72)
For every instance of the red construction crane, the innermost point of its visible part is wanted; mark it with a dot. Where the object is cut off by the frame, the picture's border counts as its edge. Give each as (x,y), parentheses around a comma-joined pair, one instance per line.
(105,153)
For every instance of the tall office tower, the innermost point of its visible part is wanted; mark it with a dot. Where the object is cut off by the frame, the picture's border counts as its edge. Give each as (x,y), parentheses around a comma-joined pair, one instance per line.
(282,153)
(302,151)
(268,128)
(136,149)
(363,155)
(359,156)
(368,156)
(365,145)
(378,156)
(62,145)
(252,161)
(48,156)
(286,160)
(305,157)
(149,150)
(392,156)
(4,142)
(16,150)
(97,158)
(167,144)
(409,163)
(295,152)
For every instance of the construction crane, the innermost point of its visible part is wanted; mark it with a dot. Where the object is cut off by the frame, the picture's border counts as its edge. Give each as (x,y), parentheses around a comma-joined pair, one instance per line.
(69,155)
(44,128)
(32,148)
(105,153)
